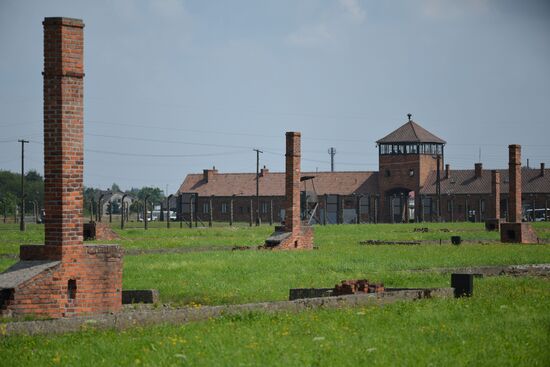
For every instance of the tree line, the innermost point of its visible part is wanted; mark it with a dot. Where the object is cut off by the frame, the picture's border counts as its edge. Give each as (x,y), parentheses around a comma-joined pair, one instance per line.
(10,194)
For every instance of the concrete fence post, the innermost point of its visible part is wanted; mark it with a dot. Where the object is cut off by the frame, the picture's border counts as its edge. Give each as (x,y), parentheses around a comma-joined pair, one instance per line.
(231,212)
(251,212)
(358,208)
(145,219)
(191,211)
(210,211)
(271,212)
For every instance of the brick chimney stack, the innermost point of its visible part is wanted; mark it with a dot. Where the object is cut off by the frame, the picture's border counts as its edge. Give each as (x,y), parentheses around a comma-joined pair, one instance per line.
(542,169)
(208,174)
(292,182)
(63,132)
(478,170)
(495,192)
(514,191)
(447,171)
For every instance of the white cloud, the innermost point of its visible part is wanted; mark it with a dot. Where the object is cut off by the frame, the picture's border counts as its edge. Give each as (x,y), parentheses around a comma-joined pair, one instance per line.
(354,10)
(313,35)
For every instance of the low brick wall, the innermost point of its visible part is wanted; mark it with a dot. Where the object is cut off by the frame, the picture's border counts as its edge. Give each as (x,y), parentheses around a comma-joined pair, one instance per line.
(144,317)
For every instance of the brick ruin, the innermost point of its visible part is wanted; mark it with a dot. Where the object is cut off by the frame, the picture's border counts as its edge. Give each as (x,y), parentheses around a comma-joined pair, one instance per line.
(514,230)
(293,234)
(63,277)
(493,218)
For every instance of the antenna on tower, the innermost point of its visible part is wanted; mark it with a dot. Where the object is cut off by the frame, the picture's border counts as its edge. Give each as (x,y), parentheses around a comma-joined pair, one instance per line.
(332,152)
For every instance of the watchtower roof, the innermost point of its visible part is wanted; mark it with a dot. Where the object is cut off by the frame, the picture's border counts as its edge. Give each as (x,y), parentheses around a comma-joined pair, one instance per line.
(410,132)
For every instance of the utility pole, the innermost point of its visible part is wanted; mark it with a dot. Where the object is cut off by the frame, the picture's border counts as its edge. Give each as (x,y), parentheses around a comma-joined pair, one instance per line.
(257,186)
(22,222)
(332,152)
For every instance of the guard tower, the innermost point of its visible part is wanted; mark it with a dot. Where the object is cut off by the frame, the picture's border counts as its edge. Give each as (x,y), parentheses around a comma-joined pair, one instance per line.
(406,157)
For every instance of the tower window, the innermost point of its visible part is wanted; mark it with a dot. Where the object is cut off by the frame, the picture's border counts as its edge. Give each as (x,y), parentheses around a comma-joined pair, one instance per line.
(388,173)
(411,172)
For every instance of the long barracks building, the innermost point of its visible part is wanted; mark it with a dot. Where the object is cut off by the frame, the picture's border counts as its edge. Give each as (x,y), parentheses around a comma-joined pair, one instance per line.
(413,184)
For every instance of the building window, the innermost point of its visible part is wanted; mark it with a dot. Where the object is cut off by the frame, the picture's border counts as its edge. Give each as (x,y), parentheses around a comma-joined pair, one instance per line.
(205,207)
(411,172)
(264,207)
(224,208)
(388,173)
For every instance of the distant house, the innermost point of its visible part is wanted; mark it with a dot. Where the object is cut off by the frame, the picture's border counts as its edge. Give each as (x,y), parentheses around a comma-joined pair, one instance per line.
(404,188)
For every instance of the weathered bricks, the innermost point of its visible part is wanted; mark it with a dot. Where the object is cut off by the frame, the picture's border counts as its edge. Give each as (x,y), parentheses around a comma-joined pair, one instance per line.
(88,279)
(514,230)
(492,223)
(293,235)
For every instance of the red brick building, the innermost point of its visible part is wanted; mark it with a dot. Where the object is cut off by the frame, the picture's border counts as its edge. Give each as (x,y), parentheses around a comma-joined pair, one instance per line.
(404,189)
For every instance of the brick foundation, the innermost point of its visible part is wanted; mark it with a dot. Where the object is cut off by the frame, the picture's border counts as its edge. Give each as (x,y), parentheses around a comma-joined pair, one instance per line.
(517,233)
(63,277)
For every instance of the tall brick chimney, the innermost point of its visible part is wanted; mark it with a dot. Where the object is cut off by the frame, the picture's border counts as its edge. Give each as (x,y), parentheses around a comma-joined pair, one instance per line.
(63,133)
(515,230)
(492,223)
(514,190)
(495,192)
(292,182)
(447,171)
(542,169)
(293,235)
(63,277)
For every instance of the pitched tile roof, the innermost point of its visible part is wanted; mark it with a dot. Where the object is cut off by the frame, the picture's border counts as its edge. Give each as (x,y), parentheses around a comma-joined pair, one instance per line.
(465,182)
(273,183)
(411,132)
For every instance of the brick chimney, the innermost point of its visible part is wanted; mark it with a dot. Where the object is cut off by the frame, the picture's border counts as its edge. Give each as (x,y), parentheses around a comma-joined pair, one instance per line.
(447,171)
(542,169)
(63,132)
(208,174)
(64,277)
(292,182)
(478,170)
(514,191)
(264,171)
(495,192)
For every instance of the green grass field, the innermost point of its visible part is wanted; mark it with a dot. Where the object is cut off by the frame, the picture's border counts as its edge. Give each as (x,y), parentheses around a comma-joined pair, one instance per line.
(506,322)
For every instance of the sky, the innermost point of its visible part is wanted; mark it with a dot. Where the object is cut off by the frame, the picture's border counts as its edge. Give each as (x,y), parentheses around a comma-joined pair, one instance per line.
(173,87)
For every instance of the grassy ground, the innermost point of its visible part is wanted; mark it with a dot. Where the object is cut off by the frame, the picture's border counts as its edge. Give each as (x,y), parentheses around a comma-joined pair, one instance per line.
(505,323)
(158,236)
